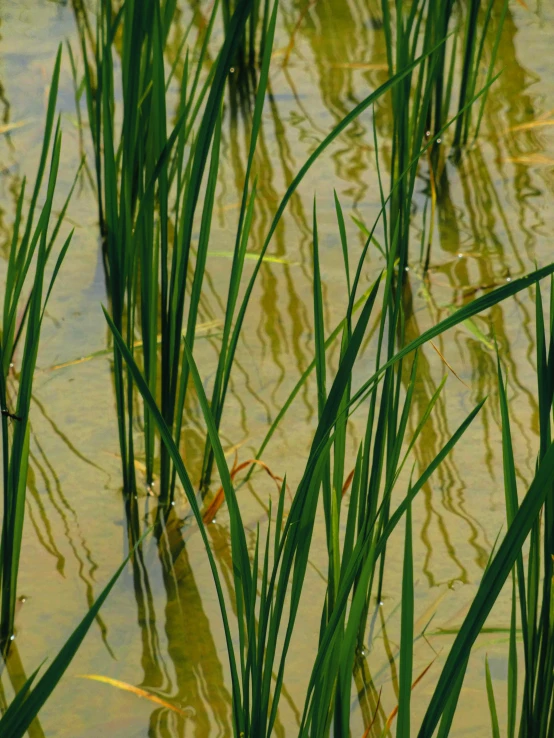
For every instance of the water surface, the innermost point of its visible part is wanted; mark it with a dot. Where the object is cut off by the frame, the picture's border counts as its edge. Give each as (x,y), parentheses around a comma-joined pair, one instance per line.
(160,629)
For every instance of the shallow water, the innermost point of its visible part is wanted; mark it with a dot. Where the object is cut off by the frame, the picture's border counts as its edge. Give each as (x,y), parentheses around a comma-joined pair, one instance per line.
(160,628)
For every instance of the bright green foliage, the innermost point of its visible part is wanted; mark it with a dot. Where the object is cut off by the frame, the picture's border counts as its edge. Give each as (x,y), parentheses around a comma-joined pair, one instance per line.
(492,702)
(532,518)
(267,603)
(148,179)
(267,608)
(253,43)
(149,185)
(421,103)
(24,296)
(533,584)
(154,181)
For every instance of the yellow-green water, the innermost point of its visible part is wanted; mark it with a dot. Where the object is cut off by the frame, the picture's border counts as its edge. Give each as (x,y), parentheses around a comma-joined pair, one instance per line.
(161,627)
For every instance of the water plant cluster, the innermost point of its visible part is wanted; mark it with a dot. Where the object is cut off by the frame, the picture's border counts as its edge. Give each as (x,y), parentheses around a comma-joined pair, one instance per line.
(154,161)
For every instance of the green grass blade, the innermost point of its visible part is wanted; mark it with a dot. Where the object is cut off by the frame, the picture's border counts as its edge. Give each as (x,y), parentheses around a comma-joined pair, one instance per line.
(492,702)
(439,458)
(242,561)
(20,714)
(57,267)
(491,584)
(468,311)
(361,559)
(166,436)
(512,666)
(306,374)
(491,67)
(406,633)
(318,321)
(452,702)
(344,123)
(50,112)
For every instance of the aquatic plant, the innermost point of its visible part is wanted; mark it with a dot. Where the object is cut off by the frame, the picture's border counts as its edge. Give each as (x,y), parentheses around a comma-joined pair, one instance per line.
(250,51)
(149,187)
(533,584)
(25,300)
(421,104)
(147,274)
(267,607)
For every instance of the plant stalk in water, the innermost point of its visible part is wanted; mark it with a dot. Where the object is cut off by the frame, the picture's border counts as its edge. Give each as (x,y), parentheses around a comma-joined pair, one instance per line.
(31,244)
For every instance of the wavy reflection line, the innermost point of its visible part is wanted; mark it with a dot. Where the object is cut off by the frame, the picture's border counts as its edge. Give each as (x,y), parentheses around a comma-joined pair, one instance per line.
(199,674)
(155,672)
(62,509)
(298,323)
(65,439)
(337,89)
(45,536)
(482,208)
(434,435)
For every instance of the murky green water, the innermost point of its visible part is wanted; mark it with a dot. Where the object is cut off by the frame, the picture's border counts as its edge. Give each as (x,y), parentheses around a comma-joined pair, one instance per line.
(160,628)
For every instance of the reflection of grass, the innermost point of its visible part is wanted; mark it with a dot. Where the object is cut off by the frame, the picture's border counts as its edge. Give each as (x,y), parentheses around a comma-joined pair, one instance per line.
(146,214)
(534,600)
(147,268)
(249,51)
(21,713)
(421,105)
(150,187)
(31,246)
(267,603)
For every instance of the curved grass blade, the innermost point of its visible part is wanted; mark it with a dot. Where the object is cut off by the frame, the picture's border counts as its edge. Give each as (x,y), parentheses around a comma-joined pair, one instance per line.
(298,386)
(481,303)
(21,712)
(166,436)
(355,305)
(492,701)
(491,585)
(145,694)
(406,633)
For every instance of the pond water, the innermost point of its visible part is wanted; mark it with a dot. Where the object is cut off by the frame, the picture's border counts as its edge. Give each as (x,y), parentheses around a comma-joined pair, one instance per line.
(160,629)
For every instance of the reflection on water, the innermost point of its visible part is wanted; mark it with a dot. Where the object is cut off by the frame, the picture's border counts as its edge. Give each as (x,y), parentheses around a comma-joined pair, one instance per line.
(162,629)
(448,479)
(190,673)
(42,475)
(18,676)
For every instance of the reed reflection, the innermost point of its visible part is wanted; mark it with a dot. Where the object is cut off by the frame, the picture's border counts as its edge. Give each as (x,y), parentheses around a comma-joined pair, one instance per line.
(184,668)
(18,677)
